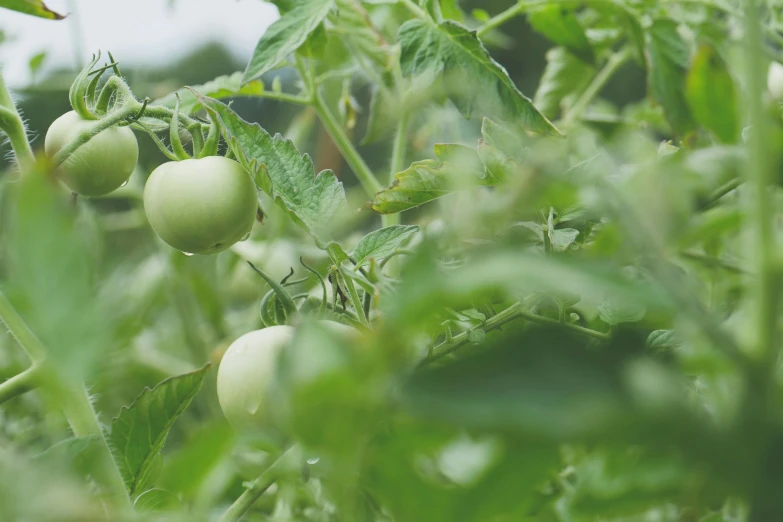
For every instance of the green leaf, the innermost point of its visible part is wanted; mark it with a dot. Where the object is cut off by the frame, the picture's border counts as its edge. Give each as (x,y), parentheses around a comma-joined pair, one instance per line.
(155,500)
(615,310)
(140,430)
(423,182)
(352,25)
(474,81)
(31,7)
(564,76)
(668,62)
(562,238)
(384,115)
(382,243)
(36,62)
(712,95)
(221,87)
(286,35)
(432,7)
(282,172)
(664,341)
(562,27)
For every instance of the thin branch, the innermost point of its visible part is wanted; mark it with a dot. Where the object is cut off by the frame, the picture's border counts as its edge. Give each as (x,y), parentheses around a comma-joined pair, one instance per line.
(512,313)
(20,383)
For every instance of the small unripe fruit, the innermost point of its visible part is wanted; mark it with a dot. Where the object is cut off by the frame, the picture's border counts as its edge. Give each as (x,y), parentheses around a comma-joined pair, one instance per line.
(201,206)
(101,165)
(775,80)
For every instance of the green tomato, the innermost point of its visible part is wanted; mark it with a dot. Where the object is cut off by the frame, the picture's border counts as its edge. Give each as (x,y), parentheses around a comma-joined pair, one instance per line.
(201,206)
(101,165)
(247,370)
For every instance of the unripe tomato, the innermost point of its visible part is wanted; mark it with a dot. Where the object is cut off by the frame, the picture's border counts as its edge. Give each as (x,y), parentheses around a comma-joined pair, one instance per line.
(101,165)
(201,206)
(247,369)
(775,80)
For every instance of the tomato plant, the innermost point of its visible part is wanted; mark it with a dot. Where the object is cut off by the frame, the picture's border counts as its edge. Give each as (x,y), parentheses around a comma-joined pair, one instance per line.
(457,260)
(102,165)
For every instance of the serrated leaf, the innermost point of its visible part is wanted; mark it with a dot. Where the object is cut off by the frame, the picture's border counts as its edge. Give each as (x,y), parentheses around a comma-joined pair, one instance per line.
(505,141)
(563,28)
(564,76)
(68,449)
(668,61)
(712,95)
(31,7)
(282,172)
(664,341)
(219,88)
(474,81)
(616,309)
(423,182)
(155,500)
(382,243)
(140,430)
(353,25)
(286,35)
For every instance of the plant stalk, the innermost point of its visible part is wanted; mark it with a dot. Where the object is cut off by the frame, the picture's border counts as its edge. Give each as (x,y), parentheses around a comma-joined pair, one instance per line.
(259,486)
(367,179)
(20,383)
(513,312)
(614,63)
(11,123)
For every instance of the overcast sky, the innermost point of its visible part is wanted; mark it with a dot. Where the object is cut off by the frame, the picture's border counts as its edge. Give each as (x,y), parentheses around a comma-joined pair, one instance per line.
(135,31)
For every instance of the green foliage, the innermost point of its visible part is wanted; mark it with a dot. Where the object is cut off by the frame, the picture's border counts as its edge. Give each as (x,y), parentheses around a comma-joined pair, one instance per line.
(474,81)
(31,7)
(496,309)
(286,35)
(139,432)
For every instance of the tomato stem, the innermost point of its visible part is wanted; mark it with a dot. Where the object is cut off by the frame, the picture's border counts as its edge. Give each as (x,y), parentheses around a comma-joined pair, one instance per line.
(11,123)
(513,312)
(20,384)
(259,486)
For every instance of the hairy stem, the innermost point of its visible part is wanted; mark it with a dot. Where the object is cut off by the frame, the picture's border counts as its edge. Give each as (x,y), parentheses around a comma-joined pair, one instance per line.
(76,403)
(11,123)
(415,9)
(513,312)
(259,486)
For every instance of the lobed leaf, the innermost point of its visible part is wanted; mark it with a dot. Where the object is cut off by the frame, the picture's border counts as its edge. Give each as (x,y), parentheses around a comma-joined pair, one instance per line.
(286,35)
(282,172)
(140,430)
(382,243)
(31,7)
(219,88)
(668,62)
(564,76)
(474,81)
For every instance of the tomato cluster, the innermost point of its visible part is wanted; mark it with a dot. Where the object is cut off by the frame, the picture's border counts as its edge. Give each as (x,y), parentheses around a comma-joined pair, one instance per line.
(198,206)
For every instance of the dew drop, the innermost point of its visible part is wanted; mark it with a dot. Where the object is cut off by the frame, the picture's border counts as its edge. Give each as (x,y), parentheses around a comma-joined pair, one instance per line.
(125,183)
(313,461)
(245,237)
(188,254)
(252,404)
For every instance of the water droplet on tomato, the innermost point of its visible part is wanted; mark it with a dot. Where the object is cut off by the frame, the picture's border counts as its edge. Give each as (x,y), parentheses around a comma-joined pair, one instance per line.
(314,460)
(126,182)
(188,254)
(245,237)
(252,404)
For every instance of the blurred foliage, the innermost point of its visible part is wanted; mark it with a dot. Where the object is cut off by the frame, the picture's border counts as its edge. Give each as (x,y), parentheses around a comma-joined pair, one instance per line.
(563,335)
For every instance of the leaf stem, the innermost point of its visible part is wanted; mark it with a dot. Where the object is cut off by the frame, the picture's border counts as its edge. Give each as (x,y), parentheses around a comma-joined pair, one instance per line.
(513,312)
(259,486)
(362,171)
(415,9)
(20,383)
(20,331)
(397,164)
(11,123)
(500,19)
(614,63)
